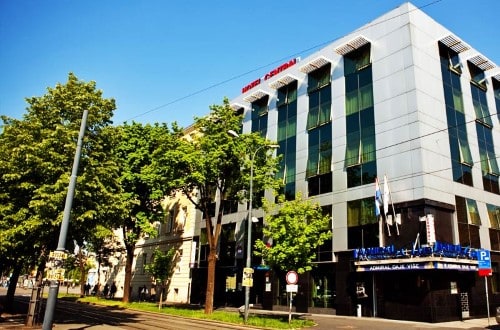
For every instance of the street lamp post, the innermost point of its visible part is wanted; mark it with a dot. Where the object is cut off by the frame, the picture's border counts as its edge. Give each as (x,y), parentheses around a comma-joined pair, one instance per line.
(250,220)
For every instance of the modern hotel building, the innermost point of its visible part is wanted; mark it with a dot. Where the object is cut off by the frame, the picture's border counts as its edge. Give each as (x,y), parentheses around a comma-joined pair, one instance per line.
(404,102)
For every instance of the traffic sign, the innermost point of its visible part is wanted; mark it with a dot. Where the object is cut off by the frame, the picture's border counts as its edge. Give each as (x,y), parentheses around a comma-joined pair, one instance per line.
(292,277)
(484,262)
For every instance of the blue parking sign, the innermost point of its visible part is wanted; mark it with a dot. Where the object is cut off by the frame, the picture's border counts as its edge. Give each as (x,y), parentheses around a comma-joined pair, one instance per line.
(484,259)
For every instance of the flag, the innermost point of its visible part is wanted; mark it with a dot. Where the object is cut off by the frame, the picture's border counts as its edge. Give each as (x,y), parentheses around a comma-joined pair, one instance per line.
(389,220)
(386,196)
(378,198)
(398,218)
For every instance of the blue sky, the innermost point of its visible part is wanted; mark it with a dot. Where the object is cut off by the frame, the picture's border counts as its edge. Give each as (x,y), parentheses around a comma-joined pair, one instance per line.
(165,61)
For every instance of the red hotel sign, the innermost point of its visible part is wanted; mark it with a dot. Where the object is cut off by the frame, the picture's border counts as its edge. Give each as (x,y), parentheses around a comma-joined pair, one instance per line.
(270,74)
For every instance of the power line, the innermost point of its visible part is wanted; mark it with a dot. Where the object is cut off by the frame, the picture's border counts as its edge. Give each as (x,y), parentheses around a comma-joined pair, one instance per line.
(269,64)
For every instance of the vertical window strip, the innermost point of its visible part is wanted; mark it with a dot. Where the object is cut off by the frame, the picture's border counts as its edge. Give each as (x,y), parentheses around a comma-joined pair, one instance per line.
(353,150)
(481,106)
(465,154)
(361,212)
(461,209)
(458,102)
(473,212)
(494,215)
(457,130)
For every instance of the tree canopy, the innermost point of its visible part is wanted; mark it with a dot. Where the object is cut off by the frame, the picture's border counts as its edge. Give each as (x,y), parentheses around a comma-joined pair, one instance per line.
(293,230)
(209,166)
(36,156)
(143,181)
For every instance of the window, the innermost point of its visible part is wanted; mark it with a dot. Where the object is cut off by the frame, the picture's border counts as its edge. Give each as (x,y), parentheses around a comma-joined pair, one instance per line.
(204,248)
(319,126)
(170,221)
(320,151)
(360,154)
(319,162)
(325,251)
(229,206)
(362,223)
(494,217)
(318,79)
(358,59)
(477,76)
(468,222)
(481,106)
(496,92)
(484,127)
(227,245)
(260,110)
(450,59)
(461,158)
(320,97)
(495,278)
(287,131)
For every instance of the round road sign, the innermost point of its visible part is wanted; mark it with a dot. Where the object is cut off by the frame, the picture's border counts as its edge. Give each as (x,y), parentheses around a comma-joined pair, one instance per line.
(292,277)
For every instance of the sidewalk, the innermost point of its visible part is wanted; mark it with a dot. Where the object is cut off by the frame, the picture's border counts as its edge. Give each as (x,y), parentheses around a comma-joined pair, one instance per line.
(324,322)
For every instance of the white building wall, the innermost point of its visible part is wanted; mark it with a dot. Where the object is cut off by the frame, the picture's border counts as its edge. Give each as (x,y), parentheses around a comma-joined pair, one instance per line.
(410,117)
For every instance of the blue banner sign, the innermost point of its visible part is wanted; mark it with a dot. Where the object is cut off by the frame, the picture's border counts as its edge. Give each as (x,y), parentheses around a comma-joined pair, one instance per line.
(416,266)
(439,249)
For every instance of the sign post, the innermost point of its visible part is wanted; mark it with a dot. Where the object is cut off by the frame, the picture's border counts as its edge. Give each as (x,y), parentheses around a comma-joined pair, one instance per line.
(484,269)
(291,280)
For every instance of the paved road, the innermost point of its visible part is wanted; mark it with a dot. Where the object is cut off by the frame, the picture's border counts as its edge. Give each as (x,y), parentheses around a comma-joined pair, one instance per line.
(70,315)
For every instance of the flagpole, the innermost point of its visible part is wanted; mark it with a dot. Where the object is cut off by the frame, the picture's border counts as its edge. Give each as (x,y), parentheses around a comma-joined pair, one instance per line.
(393,211)
(386,204)
(378,197)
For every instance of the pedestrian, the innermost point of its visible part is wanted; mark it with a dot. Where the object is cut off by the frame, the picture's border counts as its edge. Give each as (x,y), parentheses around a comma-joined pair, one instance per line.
(95,291)
(113,291)
(86,289)
(142,293)
(106,290)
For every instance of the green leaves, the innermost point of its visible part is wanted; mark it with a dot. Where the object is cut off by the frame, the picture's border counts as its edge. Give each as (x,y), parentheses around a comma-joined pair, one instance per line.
(292,232)
(36,157)
(162,265)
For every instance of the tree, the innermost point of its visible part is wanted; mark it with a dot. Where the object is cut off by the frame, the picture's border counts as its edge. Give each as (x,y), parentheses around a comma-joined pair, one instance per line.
(209,166)
(36,156)
(162,268)
(142,192)
(104,244)
(293,230)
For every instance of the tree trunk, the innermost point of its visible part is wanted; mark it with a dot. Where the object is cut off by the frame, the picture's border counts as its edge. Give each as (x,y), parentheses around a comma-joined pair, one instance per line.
(161,298)
(209,298)
(81,265)
(128,274)
(9,299)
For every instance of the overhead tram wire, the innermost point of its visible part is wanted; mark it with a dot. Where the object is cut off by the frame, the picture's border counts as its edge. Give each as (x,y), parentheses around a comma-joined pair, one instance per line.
(187,96)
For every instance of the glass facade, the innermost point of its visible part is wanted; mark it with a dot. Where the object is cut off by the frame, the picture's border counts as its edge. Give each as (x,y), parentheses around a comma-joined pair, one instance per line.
(494,217)
(484,127)
(319,126)
(260,109)
(287,137)
(468,222)
(360,161)
(461,158)
(362,223)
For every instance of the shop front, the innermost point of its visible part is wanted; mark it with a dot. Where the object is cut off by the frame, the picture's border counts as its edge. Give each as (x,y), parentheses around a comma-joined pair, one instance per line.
(432,284)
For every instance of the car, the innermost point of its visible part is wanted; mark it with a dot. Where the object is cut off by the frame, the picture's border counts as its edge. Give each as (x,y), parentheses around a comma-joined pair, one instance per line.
(497,316)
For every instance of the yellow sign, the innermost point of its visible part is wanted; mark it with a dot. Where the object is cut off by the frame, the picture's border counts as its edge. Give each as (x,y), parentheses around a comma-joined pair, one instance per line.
(58,255)
(55,274)
(231,282)
(247,277)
